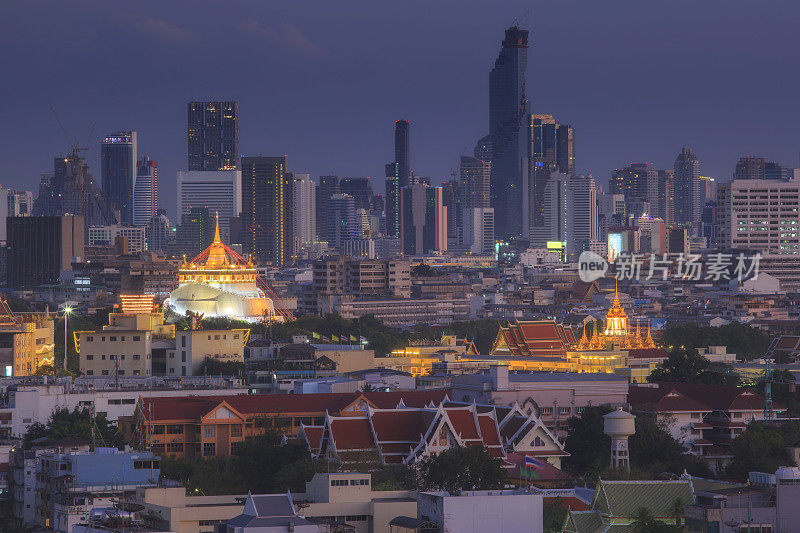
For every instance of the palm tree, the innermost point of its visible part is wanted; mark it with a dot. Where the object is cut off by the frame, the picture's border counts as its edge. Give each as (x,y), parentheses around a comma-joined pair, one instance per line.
(676,508)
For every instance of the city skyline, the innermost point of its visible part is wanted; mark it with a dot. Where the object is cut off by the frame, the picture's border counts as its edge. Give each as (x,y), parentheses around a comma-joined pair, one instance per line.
(445,101)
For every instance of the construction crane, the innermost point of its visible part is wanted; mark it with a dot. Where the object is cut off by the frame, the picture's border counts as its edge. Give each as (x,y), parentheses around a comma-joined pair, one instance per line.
(75,147)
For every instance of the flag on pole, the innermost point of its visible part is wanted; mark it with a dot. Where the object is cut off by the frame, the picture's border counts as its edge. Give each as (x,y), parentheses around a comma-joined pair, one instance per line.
(532,462)
(315,335)
(326,340)
(335,339)
(353,338)
(363,340)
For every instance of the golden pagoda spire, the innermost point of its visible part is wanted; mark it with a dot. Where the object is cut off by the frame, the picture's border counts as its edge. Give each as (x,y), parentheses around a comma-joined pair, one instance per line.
(648,341)
(217,239)
(637,338)
(584,342)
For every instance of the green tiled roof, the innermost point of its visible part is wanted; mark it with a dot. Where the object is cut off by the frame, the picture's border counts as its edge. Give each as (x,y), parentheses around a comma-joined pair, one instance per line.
(584,522)
(621,499)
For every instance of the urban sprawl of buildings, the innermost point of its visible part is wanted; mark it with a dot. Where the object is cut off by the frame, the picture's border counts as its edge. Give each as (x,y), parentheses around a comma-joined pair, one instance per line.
(327,315)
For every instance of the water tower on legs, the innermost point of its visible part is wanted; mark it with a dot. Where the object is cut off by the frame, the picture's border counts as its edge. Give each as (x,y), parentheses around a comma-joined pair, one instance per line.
(619,425)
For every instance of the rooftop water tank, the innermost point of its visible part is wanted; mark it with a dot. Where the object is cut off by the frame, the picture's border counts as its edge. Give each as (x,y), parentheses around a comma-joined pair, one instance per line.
(619,424)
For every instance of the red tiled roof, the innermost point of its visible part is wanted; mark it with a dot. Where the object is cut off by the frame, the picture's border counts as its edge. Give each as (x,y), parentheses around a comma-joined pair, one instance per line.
(714,397)
(512,426)
(665,399)
(352,433)
(313,435)
(401,425)
(195,407)
(489,431)
(463,423)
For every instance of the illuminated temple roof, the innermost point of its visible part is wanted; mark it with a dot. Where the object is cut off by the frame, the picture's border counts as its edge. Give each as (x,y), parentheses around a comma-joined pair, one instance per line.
(547,338)
(220,282)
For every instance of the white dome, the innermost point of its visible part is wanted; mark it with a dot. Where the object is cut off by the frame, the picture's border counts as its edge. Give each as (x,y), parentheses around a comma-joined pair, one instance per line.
(788,472)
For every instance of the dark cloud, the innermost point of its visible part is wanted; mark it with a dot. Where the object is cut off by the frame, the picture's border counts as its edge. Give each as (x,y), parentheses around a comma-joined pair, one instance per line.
(160,29)
(284,35)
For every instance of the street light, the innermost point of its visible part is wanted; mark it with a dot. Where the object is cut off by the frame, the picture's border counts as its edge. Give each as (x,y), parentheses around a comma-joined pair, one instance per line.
(67,311)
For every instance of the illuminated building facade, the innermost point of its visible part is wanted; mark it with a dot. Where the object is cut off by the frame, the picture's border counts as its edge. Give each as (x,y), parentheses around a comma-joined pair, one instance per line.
(213,135)
(220,282)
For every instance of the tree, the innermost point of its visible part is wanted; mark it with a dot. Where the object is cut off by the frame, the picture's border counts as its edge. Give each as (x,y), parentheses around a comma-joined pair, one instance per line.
(744,340)
(588,446)
(422,270)
(461,468)
(646,523)
(554,512)
(215,367)
(76,424)
(685,365)
(367,388)
(759,448)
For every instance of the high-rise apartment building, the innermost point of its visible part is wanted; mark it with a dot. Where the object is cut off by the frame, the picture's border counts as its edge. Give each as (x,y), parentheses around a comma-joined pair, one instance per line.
(343,221)
(552,149)
(688,194)
(759,215)
(220,192)
(477,231)
(424,219)
(452,201)
(267,210)
(196,231)
(666,195)
(637,180)
(570,209)
(304,209)
(40,248)
(213,135)
(474,177)
(145,192)
(361,191)
(509,111)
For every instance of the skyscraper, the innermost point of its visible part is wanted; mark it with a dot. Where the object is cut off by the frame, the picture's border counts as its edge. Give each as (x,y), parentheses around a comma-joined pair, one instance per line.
(637,180)
(402,151)
(424,219)
(571,213)
(267,210)
(666,195)
(552,149)
(213,135)
(145,193)
(473,188)
(220,192)
(749,168)
(118,172)
(392,200)
(305,209)
(343,222)
(509,111)
(451,200)
(328,186)
(688,194)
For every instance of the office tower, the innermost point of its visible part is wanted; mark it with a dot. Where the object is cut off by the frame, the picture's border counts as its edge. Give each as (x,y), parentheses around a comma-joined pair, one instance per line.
(392,200)
(749,168)
(343,222)
(688,205)
(118,172)
(509,112)
(776,171)
(451,200)
(402,152)
(571,213)
(708,189)
(20,203)
(213,135)
(71,190)
(304,209)
(610,213)
(361,191)
(666,195)
(219,191)
(328,186)
(473,187)
(159,232)
(196,231)
(708,224)
(552,149)
(424,219)
(478,229)
(759,215)
(41,247)
(108,235)
(267,210)
(483,149)
(145,193)
(637,180)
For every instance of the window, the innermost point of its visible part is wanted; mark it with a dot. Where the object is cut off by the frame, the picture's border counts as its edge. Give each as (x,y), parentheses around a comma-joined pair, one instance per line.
(216,337)
(175,447)
(209,448)
(339,483)
(209,432)
(112,357)
(235,335)
(696,415)
(356,518)
(113,339)
(136,372)
(579,410)
(90,339)
(89,357)
(90,372)
(122,339)
(234,447)
(538,442)
(359,482)
(183,356)
(103,357)
(144,465)
(175,429)
(105,372)
(136,338)
(121,372)
(136,357)
(236,430)
(546,410)
(122,357)
(564,410)
(183,341)
(158,430)
(737,415)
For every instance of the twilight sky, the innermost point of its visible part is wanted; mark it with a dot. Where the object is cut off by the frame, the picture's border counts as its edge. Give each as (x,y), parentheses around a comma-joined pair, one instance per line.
(323,82)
